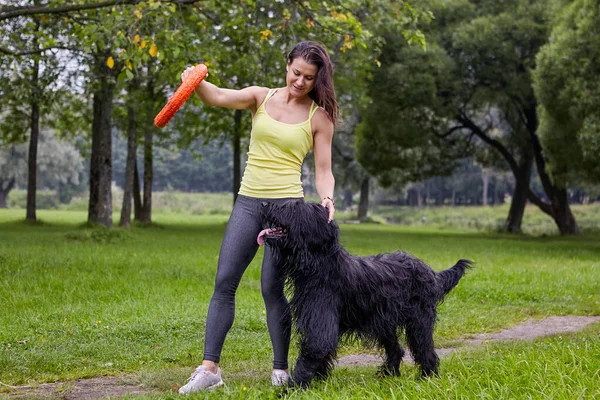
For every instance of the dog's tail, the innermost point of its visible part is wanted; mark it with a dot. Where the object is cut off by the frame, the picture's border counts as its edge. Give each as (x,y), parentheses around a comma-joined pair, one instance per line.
(450,277)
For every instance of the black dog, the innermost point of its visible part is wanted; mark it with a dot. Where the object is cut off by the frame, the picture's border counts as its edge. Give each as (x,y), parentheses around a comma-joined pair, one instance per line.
(336,294)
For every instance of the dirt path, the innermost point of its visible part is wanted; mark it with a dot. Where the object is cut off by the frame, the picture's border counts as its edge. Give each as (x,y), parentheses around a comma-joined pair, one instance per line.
(101,387)
(527,330)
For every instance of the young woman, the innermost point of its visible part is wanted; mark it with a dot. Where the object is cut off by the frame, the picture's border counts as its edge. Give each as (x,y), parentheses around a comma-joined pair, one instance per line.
(287,123)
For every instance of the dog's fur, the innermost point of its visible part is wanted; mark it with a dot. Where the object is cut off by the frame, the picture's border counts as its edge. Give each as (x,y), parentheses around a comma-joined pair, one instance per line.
(336,294)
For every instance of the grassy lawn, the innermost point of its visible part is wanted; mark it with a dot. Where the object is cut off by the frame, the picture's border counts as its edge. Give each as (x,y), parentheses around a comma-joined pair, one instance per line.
(79,303)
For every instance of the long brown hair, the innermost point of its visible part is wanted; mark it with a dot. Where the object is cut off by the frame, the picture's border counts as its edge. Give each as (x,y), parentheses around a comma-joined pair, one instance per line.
(323,93)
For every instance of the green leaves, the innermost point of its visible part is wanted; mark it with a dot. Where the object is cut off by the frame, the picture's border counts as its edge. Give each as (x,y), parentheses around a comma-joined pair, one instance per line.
(566,85)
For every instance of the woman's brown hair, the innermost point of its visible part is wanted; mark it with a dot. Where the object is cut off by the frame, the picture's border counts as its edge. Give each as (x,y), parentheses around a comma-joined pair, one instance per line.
(323,93)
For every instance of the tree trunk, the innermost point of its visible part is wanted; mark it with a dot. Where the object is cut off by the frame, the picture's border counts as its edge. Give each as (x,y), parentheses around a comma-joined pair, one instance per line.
(417,190)
(33,144)
(558,208)
(411,197)
(347,199)
(495,196)
(363,205)
(100,205)
(453,198)
(129,168)
(485,177)
(237,167)
(564,218)
(514,219)
(4,192)
(146,215)
(146,210)
(137,198)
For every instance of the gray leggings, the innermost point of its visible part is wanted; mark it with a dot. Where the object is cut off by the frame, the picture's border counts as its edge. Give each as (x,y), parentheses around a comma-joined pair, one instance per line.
(237,251)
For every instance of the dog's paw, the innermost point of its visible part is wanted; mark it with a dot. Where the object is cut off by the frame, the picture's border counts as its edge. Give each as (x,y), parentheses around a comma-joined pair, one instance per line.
(291,384)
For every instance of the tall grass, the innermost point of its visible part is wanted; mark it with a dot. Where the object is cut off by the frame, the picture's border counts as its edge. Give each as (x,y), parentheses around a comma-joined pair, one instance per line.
(472,218)
(80,302)
(162,202)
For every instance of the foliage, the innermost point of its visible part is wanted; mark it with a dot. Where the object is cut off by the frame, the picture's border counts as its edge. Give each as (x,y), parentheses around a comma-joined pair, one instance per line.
(567,87)
(59,162)
(397,139)
(30,68)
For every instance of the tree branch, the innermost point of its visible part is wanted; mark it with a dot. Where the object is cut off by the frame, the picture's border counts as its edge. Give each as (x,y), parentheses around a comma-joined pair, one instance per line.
(466,121)
(538,152)
(449,131)
(14,12)
(37,51)
(545,207)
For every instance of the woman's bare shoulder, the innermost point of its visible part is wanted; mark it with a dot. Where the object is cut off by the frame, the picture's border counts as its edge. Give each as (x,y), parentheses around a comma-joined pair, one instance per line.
(259,93)
(321,122)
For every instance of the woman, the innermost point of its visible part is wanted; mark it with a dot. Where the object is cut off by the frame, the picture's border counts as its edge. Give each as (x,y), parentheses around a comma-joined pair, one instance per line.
(287,122)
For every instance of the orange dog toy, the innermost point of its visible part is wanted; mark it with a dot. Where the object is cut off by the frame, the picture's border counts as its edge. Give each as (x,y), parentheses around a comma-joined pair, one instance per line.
(183,92)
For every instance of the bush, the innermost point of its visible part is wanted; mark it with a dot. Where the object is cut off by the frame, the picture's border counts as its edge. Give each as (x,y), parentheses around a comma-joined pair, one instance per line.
(44,200)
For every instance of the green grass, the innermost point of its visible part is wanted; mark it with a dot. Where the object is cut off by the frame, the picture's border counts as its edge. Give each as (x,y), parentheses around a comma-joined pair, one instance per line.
(79,302)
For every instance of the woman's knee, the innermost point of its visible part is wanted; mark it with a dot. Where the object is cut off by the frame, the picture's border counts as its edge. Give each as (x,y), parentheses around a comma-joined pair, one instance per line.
(273,293)
(226,284)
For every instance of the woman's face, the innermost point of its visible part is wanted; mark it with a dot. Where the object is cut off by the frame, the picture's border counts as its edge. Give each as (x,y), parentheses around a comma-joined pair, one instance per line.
(301,77)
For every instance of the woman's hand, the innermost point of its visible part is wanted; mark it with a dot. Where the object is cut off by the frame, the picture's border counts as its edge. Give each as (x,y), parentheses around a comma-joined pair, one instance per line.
(329,204)
(186,72)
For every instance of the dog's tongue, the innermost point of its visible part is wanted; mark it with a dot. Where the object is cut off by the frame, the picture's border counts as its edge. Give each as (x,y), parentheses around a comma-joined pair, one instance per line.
(261,236)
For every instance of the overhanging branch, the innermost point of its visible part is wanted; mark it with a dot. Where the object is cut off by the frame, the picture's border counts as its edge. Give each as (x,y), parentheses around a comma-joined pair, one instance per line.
(473,127)
(15,12)
(37,51)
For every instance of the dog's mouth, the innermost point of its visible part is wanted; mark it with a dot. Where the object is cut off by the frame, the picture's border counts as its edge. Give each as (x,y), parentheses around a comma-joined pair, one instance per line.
(270,233)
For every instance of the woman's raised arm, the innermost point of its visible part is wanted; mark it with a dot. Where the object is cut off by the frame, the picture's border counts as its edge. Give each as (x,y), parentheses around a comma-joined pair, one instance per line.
(213,95)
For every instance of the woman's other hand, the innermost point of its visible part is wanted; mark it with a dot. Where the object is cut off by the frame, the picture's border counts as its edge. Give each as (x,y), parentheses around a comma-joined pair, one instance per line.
(330,206)
(185,73)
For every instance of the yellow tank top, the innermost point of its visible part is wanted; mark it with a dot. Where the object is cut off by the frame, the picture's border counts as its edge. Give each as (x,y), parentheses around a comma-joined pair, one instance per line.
(275,155)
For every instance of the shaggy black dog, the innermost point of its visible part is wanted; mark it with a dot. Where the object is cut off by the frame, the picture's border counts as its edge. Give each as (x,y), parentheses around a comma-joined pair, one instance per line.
(338,295)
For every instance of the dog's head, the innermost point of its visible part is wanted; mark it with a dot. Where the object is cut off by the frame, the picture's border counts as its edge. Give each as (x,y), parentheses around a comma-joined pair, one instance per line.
(298,226)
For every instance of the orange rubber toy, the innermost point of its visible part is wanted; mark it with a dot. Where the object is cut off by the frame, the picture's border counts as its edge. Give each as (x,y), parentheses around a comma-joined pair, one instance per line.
(183,92)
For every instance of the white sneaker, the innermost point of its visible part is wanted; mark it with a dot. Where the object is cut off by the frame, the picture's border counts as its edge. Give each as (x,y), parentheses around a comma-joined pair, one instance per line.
(279,377)
(202,379)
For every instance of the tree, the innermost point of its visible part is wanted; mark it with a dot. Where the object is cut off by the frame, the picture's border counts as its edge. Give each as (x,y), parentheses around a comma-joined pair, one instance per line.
(566,85)
(396,140)
(486,92)
(31,52)
(122,50)
(496,54)
(151,61)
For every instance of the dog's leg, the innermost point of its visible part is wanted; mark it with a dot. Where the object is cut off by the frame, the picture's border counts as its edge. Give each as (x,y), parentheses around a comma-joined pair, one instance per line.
(394,354)
(419,335)
(324,369)
(318,344)
(307,369)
